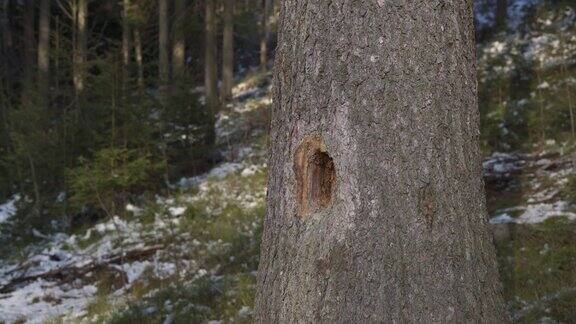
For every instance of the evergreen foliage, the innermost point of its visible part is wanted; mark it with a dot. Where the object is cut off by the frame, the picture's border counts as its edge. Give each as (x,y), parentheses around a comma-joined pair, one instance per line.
(58,155)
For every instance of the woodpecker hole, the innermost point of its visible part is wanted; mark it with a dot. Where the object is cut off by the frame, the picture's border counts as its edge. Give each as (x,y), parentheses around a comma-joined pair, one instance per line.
(315,176)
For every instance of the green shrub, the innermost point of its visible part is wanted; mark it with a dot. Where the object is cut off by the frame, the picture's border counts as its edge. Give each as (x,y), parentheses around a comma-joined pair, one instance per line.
(111,178)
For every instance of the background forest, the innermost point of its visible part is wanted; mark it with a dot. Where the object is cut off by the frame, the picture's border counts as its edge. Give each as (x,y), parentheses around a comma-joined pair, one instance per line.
(133,138)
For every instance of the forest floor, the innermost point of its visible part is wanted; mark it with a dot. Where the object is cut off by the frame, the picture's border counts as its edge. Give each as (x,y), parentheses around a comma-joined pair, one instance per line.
(534,230)
(192,255)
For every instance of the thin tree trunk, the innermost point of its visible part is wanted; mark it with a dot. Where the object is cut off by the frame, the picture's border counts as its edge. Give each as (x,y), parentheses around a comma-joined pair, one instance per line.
(37,199)
(5,106)
(501,14)
(29,39)
(376,209)
(570,107)
(564,73)
(264,35)
(179,48)
(9,61)
(541,106)
(126,41)
(138,54)
(44,51)
(7,39)
(163,43)
(79,55)
(29,51)
(210,73)
(228,51)
(57,32)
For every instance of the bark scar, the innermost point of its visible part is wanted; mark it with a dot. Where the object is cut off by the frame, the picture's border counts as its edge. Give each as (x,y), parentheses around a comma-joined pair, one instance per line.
(428,204)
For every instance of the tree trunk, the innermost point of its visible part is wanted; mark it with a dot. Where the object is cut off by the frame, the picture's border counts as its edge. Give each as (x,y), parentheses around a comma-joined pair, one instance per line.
(138,54)
(80,49)
(29,52)
(29,41)
(565,75)
(569,98)
(210,72)
(7,39)
(10,62)
(126,33)
(228,51)
(376,209)
(541,104)
(179,48)
(163,43)
(44,51)
(57,32)
(501,14)
(264,35)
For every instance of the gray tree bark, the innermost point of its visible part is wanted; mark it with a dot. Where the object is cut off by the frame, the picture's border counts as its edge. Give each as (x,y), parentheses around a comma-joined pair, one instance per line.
(376,209)
(44,51)
(179,46)
(80,47)
(210,70)
(228,51)
(126,39)
(139,58)
(163,66)
(264,35)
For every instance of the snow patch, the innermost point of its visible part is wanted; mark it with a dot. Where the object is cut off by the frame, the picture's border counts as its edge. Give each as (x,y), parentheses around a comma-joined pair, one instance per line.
(502,219)
(9,209)
(177,211)
(41,301)
(134,209)
(135,269)
(536,213)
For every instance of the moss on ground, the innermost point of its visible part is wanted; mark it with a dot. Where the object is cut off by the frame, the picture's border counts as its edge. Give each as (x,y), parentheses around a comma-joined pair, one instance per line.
(536,264)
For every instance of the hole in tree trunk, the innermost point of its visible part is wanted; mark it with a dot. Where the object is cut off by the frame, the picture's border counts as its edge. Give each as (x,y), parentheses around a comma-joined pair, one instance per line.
(315,176)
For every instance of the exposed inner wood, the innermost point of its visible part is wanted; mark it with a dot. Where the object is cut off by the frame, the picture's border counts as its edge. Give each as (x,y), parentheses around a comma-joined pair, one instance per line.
(315,176)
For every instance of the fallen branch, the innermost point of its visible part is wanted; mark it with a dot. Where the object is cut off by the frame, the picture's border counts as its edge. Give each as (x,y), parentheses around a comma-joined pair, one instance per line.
(71,271)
